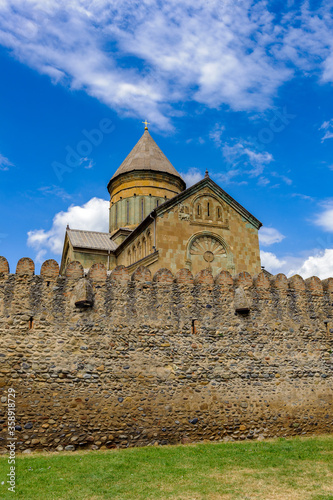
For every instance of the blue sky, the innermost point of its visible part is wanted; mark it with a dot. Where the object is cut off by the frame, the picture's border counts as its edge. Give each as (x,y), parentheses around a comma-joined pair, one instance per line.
(241,88)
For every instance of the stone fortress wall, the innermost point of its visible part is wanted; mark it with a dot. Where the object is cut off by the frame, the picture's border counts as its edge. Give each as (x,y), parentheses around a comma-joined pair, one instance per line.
(103,361)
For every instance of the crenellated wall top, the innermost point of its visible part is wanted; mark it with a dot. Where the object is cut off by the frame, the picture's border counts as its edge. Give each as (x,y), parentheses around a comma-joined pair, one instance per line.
(98,273)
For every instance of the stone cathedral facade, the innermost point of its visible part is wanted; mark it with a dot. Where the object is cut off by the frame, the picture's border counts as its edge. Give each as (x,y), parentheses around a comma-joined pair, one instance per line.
(156,222)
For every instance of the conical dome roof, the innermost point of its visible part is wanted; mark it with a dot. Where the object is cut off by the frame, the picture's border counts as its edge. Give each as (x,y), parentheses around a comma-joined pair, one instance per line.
(146,155)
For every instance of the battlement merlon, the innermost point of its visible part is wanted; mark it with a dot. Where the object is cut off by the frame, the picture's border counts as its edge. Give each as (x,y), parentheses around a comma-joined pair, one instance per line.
(178,300)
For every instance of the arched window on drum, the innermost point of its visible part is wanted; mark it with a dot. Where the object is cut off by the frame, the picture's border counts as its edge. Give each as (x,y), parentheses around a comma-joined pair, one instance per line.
(198,211)
(218,213)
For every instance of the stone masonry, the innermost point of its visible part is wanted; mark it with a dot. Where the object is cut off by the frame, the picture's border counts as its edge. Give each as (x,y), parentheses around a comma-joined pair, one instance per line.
(113,360)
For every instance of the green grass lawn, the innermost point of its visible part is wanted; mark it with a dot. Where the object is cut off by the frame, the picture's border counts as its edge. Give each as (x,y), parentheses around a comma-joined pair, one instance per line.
(295,469)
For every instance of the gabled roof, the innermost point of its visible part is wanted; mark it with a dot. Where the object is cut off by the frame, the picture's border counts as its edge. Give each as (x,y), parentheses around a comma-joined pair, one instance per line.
(90,239)
(146,155)
(208,182)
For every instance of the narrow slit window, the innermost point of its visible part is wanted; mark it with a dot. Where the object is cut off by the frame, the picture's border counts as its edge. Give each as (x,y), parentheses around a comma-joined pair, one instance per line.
(208,209)
(31,323)
(194,326)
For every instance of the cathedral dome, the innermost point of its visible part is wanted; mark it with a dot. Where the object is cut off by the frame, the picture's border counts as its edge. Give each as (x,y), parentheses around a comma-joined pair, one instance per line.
(144,180)
(146,155)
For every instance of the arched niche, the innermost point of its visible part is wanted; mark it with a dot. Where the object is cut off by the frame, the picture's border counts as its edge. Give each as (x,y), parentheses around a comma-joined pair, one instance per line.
(208,207)
(207,250)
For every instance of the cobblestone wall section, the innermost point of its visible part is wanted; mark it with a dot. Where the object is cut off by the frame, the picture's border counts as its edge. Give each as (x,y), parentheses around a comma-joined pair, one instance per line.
(117,360)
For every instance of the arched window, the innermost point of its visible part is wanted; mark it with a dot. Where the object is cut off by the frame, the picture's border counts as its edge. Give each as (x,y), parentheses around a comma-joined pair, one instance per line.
(129,258)
(218,213)
(142,209)
(134,253)
(144,247)
(149,242)
(127,212)
(139,251)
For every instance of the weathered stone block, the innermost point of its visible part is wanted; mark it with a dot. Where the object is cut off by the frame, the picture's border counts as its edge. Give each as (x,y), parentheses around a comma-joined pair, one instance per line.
(328,285)
(50,269)
(120,273)
(262,282)
(97,272)
(280,282)
(163,276)
(4,267)
(25,266)
(204,277)
(83,294)
(141,274)
(74,270)
(314,285)
(184,276)
(296,283)
(244,280)
(224,279)
(241,302)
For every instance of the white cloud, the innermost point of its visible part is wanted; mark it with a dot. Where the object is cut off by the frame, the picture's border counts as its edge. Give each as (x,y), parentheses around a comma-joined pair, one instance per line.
(89,163)
(244,160)
(4,163)
(54,191)
(91,216)
(144,58)
(192,176)
(320,264)
(325,218)
(229,177)
(284,178)
(328,127)
(216,133)
(270,235)
(302,196)
(263,181)
(271,262)
(316,263)
(325,125)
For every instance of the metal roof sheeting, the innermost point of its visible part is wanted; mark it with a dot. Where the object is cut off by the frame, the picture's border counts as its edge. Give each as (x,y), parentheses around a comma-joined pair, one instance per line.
(91,239)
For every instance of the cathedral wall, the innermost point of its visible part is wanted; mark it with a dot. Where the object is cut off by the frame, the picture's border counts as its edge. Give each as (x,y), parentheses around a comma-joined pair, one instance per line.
(203,231)
(124,360)
(88,259)
(194,236)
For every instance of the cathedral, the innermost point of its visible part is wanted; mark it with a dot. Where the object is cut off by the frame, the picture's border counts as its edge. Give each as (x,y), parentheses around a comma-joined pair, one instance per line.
(156,222)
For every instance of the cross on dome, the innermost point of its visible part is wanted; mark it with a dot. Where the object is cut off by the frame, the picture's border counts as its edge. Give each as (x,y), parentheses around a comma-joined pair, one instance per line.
(146,124)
